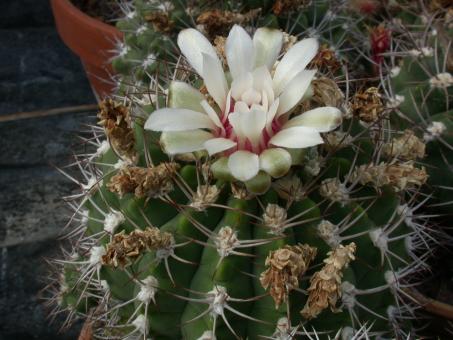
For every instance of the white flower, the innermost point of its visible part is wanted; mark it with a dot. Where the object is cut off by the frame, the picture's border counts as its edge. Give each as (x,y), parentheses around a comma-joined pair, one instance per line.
(250,120)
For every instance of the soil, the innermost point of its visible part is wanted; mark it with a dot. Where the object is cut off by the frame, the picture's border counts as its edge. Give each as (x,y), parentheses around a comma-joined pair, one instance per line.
(107,11)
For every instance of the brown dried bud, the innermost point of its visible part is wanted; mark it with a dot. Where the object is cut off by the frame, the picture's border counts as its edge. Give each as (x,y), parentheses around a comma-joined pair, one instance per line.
(144,182)
(283,6)
(286,266)
(160,20)
(325,285)
(218,22)
(406,147)
(367,105)
(116,120)
(326,92)
(288,42)
(400,176)
(125,248)
(325,60)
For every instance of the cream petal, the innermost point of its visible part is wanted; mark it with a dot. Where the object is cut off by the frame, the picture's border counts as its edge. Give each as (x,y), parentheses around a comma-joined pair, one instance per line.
(244,165)
(268,44)
(216,145)
(215,80)
(235,119)
(257,107)
(294,61)
(294,91)
(264,101)
(182,95)
(193,44)
(211,113)
(272,111)
(184,141)
(271,115)
(239,51)
(297,137)
(251,96)
(241,84)
(252,125)
(241,107)
(168,119)
(262,81)
(236,122)
(228,104)
(323,119)
(276,162)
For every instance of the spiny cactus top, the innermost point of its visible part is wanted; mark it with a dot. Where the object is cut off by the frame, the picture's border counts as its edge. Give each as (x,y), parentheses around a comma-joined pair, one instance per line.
(248,118)
(257,197)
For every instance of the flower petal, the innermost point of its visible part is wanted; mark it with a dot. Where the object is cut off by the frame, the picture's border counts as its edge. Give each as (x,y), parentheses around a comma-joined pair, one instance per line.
(241,84)
(216,145)
(241,107)
(323,119)
(262,81)
(243,165)
(268,43)
(215,80)
(239,51)
(184,141)
(294,61)
(182,95)
(168,119)
(294,91)
(272,111)
(235,120)
(252,125)
(276,162)
(211,113)
(192,44)
(297,137)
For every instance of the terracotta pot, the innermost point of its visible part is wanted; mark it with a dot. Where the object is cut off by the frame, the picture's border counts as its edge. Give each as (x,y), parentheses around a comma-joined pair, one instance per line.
(92,40)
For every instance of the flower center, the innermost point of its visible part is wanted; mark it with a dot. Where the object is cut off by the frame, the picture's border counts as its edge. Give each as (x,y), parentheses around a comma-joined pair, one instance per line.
(249,118)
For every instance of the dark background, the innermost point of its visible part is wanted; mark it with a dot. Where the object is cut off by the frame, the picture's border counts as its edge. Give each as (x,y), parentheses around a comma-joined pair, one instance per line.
(37,71)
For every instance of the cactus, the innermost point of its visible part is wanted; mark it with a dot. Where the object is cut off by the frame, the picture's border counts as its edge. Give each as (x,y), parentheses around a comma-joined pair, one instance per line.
(232,195)
(420,84)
